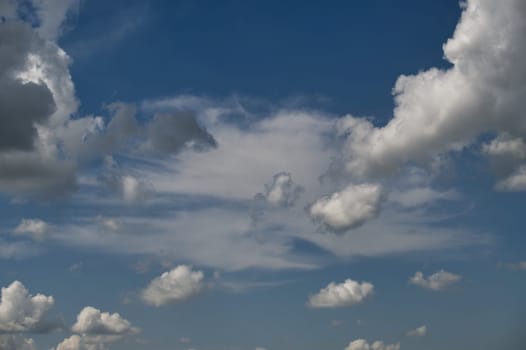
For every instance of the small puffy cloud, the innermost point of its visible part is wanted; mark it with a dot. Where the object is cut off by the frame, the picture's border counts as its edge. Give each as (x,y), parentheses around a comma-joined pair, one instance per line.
(77,342)
(16,342)
(35,228)
(418,332)
(176,285)
(362,344)
(92,321)
(21,311)
(437,281)
(348,208)
(282,191)
(347,293)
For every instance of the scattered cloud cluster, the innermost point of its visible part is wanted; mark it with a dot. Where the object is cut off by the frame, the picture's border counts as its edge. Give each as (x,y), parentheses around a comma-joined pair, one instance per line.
(438,281)
(343,294)
(176,285)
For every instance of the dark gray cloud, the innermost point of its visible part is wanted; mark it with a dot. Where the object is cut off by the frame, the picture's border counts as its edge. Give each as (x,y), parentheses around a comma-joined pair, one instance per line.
(29,173)
(22,104)
(169,133)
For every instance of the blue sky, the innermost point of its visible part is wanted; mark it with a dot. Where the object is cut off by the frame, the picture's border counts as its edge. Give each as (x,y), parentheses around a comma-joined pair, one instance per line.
(262,175)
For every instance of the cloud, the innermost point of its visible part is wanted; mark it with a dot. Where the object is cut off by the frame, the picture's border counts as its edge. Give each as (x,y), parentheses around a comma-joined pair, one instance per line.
(437,281)
(521,265)
(418,332)
(16,342)
(92,321)
(361,344)
(77,342)
(437,110)
(347,209)
(344,294)
(52,15)
(128,187)
(418,196)
(22,104)
(169,133)
(282,192)
(23,312)
(176,285)
(35,228)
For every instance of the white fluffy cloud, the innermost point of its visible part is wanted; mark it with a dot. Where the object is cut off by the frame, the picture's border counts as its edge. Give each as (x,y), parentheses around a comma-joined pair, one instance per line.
(94,322)
(35,228)
(418,332)
(347,293)
(362,344)
(437,281)
(176,285)
(444,110)
(348,208)
(77,342)
(21,311)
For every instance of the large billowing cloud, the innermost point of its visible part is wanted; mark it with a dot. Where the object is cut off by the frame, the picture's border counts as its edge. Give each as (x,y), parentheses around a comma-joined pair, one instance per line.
(343,294)
(437,281)
(23,312)
(443,110)
(362,344)
(176,285)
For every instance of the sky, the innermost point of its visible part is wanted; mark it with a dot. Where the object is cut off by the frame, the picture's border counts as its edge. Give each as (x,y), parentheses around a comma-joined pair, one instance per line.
(249,175)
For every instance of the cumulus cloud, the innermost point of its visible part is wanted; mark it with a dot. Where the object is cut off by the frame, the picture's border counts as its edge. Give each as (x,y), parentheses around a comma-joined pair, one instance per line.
(92,321)
(282,191)
(177,285)
(343,294)
(362,344)
(35,228)
(15,342)
(77,342)
(444,110)
(437,281)
(23,312)
(347,209)
(418,332)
